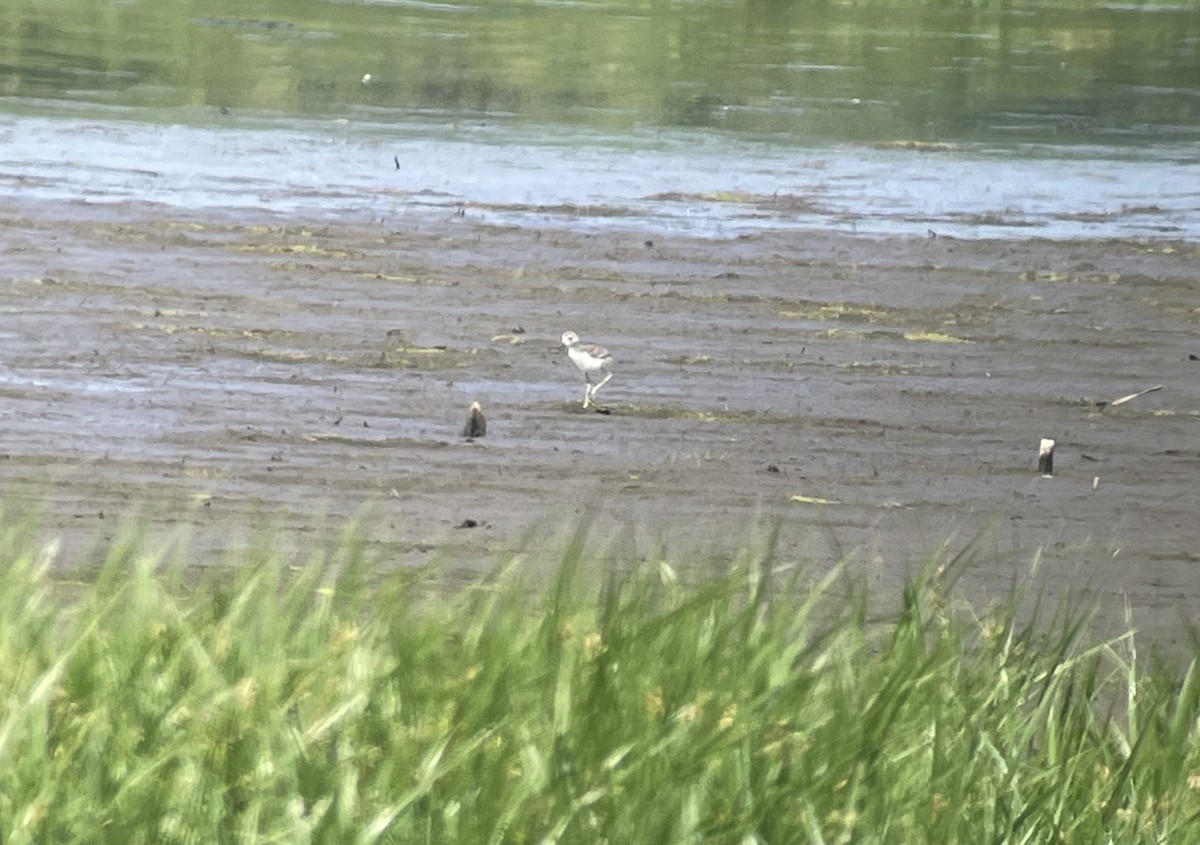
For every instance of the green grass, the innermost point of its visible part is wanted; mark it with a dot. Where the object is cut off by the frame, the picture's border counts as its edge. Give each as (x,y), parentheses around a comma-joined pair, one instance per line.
(330,703)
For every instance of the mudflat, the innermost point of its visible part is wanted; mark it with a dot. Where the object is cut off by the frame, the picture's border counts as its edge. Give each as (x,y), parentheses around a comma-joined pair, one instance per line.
(872,400)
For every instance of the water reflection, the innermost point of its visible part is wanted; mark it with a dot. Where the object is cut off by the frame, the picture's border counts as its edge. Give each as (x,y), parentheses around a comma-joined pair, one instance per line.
(712,116)
(879,70)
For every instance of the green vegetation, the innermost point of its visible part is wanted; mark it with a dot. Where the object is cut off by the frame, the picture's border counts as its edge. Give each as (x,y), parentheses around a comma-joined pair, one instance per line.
(331,703)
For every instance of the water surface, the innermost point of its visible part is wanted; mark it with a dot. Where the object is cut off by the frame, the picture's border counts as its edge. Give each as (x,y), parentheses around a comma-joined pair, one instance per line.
(1060,120)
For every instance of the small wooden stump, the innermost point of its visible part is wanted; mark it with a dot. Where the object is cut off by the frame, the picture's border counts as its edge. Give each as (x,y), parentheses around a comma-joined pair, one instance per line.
(1046,457)
(476,423)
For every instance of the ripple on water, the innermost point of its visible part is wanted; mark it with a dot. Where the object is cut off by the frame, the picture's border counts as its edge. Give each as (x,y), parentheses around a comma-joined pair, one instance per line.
(677,182)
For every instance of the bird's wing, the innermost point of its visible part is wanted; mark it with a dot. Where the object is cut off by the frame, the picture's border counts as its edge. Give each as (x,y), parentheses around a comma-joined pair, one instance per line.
(594,350)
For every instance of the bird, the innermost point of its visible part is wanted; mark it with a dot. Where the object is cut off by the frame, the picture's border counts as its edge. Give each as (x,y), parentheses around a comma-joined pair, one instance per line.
(476,423)
(589,359)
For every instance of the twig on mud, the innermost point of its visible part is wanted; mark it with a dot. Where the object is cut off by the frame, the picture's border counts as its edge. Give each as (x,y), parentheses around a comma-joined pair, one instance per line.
(1125,399)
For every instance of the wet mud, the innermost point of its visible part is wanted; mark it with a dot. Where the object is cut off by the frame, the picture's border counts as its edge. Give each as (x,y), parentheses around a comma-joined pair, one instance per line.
(871,399)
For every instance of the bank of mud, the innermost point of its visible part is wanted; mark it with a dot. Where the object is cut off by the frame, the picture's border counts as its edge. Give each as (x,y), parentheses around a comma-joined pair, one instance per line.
(872,399)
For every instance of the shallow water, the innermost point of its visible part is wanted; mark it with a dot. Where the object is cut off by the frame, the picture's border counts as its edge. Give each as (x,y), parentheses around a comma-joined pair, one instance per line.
(1058,120)
(669,181)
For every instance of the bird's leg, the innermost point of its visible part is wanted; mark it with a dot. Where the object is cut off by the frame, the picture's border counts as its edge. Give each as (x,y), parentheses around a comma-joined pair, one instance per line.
(587,393)
(601,384)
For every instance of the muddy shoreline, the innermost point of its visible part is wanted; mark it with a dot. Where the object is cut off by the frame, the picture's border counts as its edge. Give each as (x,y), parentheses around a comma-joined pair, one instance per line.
(872,398)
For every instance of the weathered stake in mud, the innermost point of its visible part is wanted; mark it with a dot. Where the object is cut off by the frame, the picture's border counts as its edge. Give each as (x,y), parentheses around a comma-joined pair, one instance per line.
(1046,457)
(476,425)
